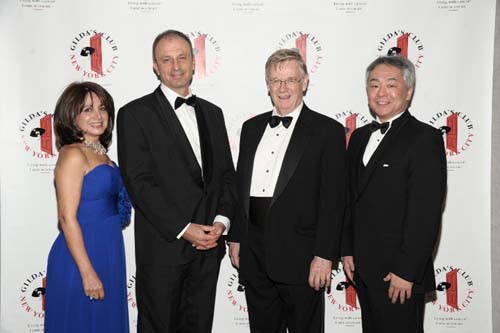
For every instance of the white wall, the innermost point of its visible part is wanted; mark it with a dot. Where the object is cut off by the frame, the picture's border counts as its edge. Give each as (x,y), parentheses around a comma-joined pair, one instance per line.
(451,41)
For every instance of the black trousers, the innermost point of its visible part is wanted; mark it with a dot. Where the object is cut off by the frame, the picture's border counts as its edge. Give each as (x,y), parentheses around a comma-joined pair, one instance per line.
(177,299)
(379,315)
(274,307)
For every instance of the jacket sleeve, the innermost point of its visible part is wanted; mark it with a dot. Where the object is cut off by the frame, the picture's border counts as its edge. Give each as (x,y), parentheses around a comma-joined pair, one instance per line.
(227,195)
(136,165)
(426,192)
(347,228)
(332,194)
(239,224)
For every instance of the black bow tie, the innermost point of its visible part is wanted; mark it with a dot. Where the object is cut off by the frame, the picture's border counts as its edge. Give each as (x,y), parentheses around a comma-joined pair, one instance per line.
(189,101)
(275,121)
(374,126)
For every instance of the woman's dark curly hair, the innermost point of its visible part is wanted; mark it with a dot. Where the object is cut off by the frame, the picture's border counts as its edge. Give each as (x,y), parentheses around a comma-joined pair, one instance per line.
(71,104)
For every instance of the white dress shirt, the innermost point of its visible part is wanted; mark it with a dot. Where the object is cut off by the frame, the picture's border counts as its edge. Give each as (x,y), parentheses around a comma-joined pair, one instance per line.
(270,154)
(375,139)
(187,117)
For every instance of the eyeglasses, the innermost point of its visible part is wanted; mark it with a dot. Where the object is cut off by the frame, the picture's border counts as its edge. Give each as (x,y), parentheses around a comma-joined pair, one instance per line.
(290,82)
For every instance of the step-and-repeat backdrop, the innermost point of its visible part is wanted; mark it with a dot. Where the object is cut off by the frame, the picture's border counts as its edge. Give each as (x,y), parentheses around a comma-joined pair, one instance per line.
(450,42)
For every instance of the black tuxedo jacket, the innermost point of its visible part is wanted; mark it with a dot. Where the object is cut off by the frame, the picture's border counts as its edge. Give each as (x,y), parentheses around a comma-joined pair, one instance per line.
(307,207)
(395,203)
(164,180)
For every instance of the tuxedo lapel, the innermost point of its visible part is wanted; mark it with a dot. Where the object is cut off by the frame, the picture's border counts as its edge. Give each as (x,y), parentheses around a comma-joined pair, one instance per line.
(255,135)
(174,127)
(358,151)
(206,141)
(298,142)
(387,141)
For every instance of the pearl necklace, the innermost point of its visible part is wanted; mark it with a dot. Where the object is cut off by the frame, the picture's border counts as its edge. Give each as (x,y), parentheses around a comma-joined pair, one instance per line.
(95,147)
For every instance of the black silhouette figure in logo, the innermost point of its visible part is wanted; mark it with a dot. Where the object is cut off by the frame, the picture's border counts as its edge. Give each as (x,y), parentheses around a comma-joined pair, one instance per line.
(394,51)
(343,285)
(442,286)
(241,286)
(445,129)
(87,51)
(38,292)
(37,132)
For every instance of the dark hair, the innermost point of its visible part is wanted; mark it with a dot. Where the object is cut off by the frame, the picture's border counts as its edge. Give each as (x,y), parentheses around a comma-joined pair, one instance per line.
(170,34)
(70,104)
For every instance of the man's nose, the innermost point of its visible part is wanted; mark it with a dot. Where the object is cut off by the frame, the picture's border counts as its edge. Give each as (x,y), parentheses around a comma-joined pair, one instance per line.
(382,91)
(175,64)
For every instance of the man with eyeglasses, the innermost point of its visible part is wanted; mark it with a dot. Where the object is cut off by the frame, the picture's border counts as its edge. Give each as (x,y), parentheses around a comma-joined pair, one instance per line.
(291,187)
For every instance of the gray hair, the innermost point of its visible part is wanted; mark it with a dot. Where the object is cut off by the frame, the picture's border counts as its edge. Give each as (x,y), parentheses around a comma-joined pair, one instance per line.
(283,55)
(405,65)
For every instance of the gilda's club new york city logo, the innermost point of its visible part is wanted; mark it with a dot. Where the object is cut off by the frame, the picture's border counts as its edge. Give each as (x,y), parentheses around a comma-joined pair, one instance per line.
(37,135)
(307,45)
(207,53)
(403,43)
(94,54)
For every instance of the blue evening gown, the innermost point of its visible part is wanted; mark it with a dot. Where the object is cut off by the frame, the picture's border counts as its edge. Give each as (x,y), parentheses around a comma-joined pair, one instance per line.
(103,208)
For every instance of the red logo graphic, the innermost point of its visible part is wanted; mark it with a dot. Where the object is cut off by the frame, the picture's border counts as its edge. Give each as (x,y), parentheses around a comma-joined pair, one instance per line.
(46,135)
(350,119)
(457,130)
(37,135)
(200,58)
(308,47)
(94,54)
(402,45)
(350,126)
(350,296)
(96,57)
(301,45)
(44,286)
(408,45)
(452,133)
(206,54)
(452,291)
(343,294)
(456,292)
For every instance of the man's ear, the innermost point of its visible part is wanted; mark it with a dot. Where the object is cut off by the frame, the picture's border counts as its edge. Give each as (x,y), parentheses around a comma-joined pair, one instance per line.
(155,70)
(410,94)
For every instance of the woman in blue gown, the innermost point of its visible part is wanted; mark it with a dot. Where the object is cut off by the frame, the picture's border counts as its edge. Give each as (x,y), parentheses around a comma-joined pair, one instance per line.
(86,275)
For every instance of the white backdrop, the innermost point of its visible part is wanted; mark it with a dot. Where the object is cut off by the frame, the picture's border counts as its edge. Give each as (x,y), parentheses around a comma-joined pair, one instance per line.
(451,41)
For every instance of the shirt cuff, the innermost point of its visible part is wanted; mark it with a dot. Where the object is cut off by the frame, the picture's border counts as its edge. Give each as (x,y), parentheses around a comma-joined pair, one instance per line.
(224,220)
(183,231)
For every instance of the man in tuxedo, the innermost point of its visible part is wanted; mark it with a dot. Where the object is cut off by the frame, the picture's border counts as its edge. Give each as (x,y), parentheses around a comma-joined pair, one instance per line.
(176,163)
(291,191)
(397,184)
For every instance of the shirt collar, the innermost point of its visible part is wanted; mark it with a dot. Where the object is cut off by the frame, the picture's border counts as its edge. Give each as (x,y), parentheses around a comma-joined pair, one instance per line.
(172,95)
(390,121)
(294,114)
